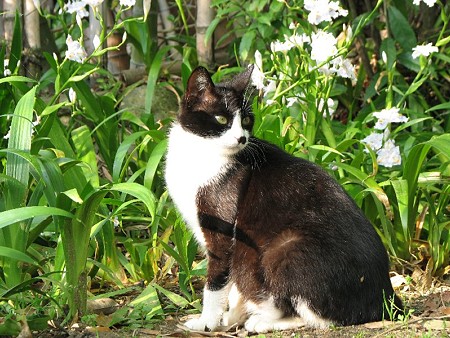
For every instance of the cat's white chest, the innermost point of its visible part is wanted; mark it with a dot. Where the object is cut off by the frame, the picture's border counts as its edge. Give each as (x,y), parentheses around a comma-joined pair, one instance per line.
(191,162)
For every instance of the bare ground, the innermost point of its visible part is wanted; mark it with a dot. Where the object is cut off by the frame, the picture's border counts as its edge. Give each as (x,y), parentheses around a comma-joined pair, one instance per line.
(429,316)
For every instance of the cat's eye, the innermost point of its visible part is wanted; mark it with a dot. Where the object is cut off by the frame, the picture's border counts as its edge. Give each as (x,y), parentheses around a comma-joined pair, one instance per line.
(246,121)
(221,119)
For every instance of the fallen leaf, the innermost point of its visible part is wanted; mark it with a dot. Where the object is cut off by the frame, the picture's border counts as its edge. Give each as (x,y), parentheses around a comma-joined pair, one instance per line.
(98,329)
(445,310)
(102,305)
(379,325)
(432,303)
(436,324)
(397,281)
(446,297)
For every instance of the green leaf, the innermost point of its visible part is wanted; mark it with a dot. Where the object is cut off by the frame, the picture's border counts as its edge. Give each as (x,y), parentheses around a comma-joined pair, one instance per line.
(138,191)
(211,28)
(246,43)
(16,255)
(9,328)
(403,203)
(16,44)
(84,146)
(20,139)
(401,29)
(388,46)
(122,151)
(173,297)
(443,106)
(326,148)
(51,109)
(153,75)
(20,214)
(153,163)
(13,78)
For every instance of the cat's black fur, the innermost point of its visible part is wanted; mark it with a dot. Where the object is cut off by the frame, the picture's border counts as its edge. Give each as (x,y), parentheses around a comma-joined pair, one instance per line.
(280,226)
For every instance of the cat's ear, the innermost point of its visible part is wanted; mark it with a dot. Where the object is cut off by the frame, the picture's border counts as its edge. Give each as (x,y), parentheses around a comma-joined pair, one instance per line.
(242,80)
(199,84)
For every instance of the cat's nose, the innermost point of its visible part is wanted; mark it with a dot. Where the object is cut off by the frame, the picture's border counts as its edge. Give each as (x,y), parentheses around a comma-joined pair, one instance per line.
(242,140)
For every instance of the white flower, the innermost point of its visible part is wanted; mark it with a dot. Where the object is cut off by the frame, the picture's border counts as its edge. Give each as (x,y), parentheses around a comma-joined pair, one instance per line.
(297,40)
(323,46)
(37,121)
(258,76)
(270,87)
(384,57)
(8,135)
(78,7)
(389,155)
(127,3)
(6,70)
(279,46)
(387,116)
(93,3)
(374,141)
(344,68)
(323,10)
(124,37)
(348,31)
(72,95)
(291,101)
(96,41)
(75,51)
(78,20)
(424,50)
(331,107)
(430,3)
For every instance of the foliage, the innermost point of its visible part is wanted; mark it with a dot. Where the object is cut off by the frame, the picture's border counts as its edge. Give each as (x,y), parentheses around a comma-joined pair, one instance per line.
(324,114)
(82,197)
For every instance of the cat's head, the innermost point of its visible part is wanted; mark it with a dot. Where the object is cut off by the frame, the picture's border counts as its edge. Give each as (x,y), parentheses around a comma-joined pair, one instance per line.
(219,113)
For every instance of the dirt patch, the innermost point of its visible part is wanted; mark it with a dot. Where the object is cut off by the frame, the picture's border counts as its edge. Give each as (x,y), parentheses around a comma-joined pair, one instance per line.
(428,315)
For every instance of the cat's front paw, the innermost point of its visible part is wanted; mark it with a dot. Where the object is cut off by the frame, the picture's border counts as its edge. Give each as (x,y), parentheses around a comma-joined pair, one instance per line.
(202,324)
(258,324)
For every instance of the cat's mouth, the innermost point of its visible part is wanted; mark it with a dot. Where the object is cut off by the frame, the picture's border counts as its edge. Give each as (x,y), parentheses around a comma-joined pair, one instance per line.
(235,148)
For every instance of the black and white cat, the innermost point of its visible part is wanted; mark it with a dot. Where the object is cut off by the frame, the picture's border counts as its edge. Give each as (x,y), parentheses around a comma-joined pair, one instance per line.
(286,246)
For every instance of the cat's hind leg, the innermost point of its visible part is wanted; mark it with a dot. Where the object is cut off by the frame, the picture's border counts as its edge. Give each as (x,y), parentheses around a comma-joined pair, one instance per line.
(265,317)
(236,314)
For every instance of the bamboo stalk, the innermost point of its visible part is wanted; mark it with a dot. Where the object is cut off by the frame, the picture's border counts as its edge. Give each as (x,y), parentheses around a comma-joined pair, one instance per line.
(204,17)
(31,25)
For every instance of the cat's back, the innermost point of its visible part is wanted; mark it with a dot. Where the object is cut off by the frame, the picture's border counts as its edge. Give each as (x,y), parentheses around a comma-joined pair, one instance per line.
(293,192)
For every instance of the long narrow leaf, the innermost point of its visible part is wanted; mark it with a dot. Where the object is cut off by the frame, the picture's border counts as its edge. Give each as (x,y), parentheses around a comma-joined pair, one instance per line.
(16,255)
(20,214)
(20,139)
(140,192)
(153,163)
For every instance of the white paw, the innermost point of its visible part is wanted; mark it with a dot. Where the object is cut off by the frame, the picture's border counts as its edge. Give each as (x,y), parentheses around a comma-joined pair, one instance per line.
(261,324)
(258,324)
(232,318)
(202,324)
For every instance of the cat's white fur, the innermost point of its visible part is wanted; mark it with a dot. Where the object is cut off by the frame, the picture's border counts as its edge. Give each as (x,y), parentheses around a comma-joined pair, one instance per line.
(214,305)
(193,161)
